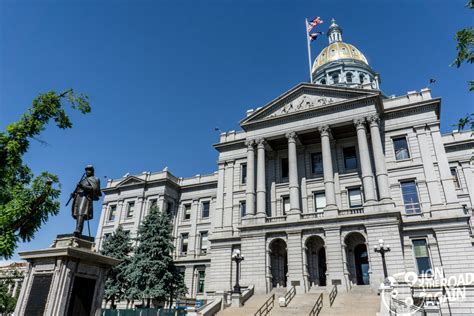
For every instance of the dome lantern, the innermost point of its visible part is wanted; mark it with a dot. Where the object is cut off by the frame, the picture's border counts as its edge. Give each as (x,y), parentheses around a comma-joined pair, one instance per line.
(334,32)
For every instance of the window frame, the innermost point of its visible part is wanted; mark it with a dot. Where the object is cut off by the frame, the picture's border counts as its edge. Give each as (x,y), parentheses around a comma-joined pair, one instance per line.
(456,180)
(208,203)
(316,209)
(430,262)
(243,206)
(181,252)
(284,198)
(360,194)
(130,206)
(345,158)
(312,156)
(243,173)
(203,251)
(394,139)
(185,211)
(153,202)
(349,77)
(109,219)
(401,182)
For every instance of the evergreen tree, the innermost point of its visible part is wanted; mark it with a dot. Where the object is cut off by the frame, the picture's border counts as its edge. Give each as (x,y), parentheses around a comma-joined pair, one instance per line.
(117,246)
(152,273)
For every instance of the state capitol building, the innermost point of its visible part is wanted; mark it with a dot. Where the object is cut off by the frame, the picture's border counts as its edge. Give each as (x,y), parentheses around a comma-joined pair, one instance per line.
(310,185)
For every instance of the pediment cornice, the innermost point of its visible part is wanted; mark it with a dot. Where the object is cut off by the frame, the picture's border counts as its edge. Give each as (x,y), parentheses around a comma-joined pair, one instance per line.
(306,100)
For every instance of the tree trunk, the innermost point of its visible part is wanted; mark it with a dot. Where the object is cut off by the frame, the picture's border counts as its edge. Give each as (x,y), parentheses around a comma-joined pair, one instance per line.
(148,303)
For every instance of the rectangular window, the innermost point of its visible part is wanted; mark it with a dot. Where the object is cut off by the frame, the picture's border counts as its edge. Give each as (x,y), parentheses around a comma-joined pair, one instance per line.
(243,208)
(400,146)
(169,208)
(317,163)
(350,157)
(286,204)
(184,244)
(355,197)
(319,201)
(203,243)
(284,168)
(410,197)
(422,257)
(205,209)
(106,235)
(454,173)
(130,209)
(202,277)
(187,211)
(112,212)
(153,204)
(243,173)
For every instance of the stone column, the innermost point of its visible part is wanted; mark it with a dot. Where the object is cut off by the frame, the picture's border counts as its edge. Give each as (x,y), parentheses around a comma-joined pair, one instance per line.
(379,160)
(365,165)
(293,175)
(468,177)
(261,190)
(219,214)
(327,168)
(250,192)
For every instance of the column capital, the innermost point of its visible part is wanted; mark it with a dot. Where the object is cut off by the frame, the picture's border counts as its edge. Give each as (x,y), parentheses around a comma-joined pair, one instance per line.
(359,122)
(373,119)
(291,136)
(324,130)
(261,142)
(250,143)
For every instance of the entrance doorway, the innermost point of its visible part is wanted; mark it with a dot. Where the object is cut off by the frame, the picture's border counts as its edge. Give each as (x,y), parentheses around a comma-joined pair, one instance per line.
(316,261)
(278,262)
(357,259)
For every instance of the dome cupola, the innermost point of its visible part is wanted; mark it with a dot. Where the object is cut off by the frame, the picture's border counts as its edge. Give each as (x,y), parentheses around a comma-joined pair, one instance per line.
(343,64)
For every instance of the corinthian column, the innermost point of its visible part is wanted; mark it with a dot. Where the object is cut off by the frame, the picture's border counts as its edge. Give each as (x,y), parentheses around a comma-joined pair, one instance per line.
(293,174)
(261,191)
(328,171)
(250,192)
(365,166)
(379,159)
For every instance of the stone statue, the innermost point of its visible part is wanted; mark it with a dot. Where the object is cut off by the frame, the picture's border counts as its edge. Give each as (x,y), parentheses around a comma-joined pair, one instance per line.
(87,191)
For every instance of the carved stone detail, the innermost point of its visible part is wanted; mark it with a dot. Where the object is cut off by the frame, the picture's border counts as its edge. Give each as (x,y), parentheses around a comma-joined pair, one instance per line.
(359,122)
(304,103)
(250,143)
(291,136)
(373,119)
(261,142)
(324,130)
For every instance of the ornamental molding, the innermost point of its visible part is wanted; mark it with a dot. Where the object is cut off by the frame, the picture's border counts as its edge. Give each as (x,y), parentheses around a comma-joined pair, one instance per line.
(306,98)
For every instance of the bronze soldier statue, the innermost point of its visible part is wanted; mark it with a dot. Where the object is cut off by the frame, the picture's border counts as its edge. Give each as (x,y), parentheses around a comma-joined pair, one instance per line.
(87,191)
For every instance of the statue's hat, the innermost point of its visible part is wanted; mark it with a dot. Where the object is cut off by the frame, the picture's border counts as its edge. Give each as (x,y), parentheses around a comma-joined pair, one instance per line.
(91,167)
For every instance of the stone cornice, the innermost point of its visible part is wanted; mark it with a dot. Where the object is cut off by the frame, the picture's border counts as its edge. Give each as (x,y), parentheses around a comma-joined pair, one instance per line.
(411,108)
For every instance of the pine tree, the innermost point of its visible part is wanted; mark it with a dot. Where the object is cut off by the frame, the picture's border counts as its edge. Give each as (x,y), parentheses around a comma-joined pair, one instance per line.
(152,273)
(117,246)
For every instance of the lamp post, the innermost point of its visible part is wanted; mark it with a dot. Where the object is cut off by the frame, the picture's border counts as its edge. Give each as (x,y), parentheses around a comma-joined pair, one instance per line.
(237,257)
(382,249)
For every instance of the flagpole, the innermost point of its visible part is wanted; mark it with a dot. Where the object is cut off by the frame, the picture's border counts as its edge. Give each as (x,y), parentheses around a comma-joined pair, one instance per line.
(309,52)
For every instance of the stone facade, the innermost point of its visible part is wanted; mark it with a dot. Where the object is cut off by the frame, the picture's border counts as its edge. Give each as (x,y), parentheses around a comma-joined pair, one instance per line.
(309,186)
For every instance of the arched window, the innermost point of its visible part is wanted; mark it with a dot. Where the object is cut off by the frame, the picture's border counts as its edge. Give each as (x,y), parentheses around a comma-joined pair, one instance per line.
(323,81)
(349,77)
(361,78)
(335,78)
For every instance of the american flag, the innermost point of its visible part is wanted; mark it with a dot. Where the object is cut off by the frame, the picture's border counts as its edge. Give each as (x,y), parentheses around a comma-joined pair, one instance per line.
(313,23)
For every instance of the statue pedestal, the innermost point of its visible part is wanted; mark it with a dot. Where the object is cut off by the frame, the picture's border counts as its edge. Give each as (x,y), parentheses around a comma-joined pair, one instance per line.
(66,279)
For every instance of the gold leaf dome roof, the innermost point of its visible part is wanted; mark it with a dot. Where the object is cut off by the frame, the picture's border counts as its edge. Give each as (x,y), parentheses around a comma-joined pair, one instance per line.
(336,51)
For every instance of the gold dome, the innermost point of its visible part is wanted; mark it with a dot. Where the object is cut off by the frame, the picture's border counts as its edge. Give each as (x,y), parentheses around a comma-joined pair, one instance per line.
(336,51)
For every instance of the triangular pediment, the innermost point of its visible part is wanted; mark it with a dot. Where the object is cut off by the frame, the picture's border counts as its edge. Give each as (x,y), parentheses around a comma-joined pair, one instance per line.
(306,97)
(130,180)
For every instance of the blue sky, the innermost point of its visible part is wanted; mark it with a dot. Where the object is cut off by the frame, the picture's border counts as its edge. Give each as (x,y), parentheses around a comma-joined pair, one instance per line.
(162,74)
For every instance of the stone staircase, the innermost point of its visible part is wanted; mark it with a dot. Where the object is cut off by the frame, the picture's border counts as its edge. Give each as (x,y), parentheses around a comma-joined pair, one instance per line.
(252,305)
(360,301)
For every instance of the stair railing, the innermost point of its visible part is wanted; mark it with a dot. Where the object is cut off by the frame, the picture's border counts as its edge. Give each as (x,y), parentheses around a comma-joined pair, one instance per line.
(266,307)
(289,295)
(318,306)
(332,295)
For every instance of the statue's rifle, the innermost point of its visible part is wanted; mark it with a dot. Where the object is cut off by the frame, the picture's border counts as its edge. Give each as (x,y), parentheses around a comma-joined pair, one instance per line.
(73,194)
